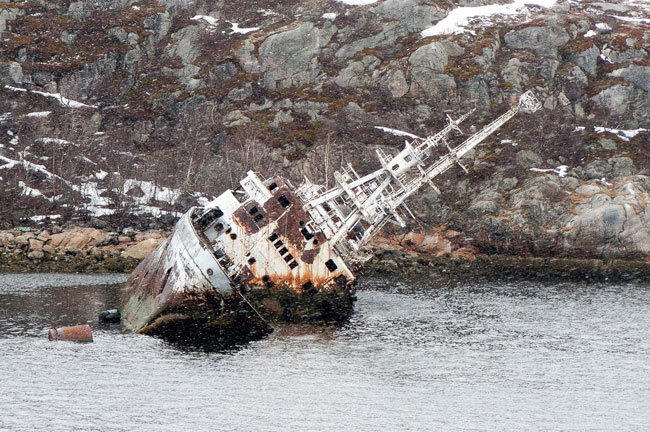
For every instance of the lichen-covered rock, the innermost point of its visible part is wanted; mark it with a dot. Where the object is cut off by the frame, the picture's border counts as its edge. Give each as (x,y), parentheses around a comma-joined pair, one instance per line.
(389,33)
(11,73)
(611,228)
(544,40)
(432,57)
(635,74)
(616,99)
(357,73)
(514,75)
(184,44)
(586,60)
(291,58)
(415,15)
(395,81)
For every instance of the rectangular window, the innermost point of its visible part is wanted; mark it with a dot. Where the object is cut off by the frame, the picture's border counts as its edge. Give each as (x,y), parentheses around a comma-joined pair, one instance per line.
(305,232)
(273,237)
(331,265)
(288,258)
(258,217)
(293,265)
(283,251)
(277,244)
(283,201)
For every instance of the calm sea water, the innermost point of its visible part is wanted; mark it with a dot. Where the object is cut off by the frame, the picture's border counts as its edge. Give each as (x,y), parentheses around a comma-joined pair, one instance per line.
(418,355)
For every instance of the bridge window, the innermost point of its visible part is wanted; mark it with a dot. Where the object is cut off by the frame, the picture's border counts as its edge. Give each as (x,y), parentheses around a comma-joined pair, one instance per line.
(251,260)
(305,232)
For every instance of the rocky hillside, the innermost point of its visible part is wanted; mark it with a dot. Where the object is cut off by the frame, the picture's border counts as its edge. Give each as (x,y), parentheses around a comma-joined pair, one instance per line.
(114,108)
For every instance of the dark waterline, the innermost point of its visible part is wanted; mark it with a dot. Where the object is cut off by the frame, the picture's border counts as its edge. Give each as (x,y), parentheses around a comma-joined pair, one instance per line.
(420,354)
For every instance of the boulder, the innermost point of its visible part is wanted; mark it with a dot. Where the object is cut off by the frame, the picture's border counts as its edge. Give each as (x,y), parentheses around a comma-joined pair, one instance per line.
(411,14)
(35,255)
(184,44)
(544,40)
(291,58)
(390,32)
(282,117)
(586,60)
(78,238)
(11,73)
(528,159)
(616,99)
(622,166)
(513,75)
(357,73)
(395,81)
(246,57)
(81,84)
(35,245)
(142,249)
(597,169)
(635,74)
(124,239)
(435,86)
(433,57)
(612,226)
(21,240)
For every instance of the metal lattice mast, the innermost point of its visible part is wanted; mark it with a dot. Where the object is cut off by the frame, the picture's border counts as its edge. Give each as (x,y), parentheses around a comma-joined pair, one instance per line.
(356,208)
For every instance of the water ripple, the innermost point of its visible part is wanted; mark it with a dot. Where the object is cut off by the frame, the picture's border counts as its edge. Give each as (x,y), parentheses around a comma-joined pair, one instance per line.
(418,354)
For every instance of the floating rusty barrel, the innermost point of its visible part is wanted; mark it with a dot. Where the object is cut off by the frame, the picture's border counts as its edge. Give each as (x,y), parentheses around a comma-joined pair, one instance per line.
(80,333)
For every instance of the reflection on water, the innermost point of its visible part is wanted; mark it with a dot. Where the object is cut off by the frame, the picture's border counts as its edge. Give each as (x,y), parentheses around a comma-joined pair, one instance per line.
(417,355)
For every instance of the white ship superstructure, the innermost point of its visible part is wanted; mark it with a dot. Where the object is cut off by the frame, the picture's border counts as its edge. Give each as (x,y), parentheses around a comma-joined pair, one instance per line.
(267,240)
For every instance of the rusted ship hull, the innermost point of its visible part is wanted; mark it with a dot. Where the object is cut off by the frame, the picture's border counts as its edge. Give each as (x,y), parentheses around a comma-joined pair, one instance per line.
(228,273)
(267,250)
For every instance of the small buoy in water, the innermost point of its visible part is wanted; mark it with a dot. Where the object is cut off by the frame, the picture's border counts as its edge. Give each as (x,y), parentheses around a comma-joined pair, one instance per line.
(109,316)
(80,333)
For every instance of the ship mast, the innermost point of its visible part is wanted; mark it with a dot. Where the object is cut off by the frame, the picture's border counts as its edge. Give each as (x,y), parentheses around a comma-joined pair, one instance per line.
(356,208)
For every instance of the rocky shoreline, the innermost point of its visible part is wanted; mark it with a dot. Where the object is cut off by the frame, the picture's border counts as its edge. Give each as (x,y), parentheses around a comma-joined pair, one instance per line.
(92,250)
(505,267)
(78,249)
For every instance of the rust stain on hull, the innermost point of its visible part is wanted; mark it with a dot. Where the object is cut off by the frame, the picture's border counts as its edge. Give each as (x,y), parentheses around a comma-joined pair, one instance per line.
(268,247)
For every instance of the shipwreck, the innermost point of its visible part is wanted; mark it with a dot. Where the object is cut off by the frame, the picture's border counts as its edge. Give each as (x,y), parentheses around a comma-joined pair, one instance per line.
(269,250)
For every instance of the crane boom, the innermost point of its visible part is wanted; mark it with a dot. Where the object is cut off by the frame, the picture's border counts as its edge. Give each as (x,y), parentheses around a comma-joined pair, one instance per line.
(356,208)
